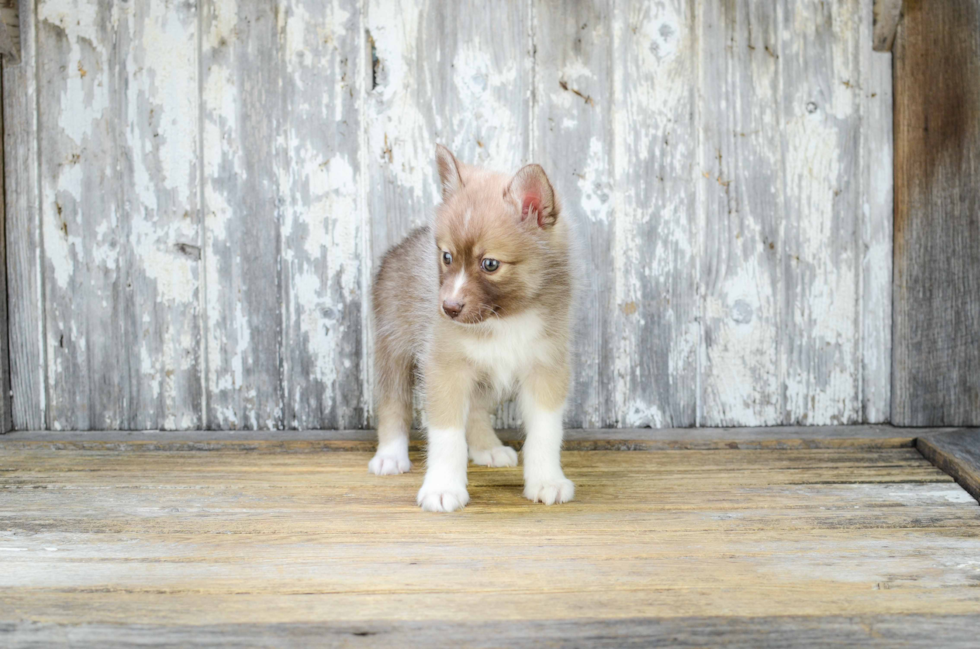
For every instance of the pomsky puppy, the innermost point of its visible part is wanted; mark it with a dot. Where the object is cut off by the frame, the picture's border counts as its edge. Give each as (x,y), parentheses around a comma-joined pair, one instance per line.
(477,308)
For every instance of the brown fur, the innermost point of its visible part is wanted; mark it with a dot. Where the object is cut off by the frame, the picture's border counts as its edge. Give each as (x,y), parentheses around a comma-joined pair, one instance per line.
(515,220)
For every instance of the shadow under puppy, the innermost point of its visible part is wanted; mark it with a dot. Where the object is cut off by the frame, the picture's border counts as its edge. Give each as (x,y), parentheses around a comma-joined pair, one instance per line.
(478,307)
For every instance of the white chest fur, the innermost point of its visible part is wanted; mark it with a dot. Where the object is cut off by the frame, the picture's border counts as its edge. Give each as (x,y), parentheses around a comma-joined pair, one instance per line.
(508,348)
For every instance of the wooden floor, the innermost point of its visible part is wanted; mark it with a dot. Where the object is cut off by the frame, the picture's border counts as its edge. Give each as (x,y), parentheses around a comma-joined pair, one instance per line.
(268,544)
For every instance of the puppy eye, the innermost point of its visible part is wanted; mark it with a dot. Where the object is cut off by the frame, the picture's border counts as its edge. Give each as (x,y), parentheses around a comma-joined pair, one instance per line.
(447,258)
(490,265)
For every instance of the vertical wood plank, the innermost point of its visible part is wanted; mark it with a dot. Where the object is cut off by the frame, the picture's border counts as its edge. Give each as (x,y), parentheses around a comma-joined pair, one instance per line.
(456,73)
(25,298)
(118,107)
(656,237)
(322,214)
(877,214)
(573,142)
(241,151)
(936,354)
(6,419)
(742,188)
(820,81)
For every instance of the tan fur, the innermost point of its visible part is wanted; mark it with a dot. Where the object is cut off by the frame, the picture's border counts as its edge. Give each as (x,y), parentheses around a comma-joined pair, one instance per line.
(515,220)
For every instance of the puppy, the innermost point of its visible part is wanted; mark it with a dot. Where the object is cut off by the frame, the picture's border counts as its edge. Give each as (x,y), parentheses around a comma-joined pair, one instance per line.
(478,307)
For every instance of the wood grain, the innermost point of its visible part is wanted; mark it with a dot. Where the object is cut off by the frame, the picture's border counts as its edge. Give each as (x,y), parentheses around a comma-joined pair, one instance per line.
(877,214)
(242,120)
(287,540)
(6,418)
(727,163)
(656,238)
(25,297)
(804,631)
(323,216)
(622,439)
(936,358)
(117,111)
(742,193)
(887,13)
(820,238)
(10,30)
(573,139)
(958,454)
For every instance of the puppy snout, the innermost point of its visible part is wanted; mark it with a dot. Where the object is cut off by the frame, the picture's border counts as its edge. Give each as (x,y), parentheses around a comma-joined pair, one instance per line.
(452,308)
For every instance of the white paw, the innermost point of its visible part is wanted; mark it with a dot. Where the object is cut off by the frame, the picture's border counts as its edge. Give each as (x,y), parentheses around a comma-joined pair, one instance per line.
(442,496)
(496,456)
(390,460)
(549,492)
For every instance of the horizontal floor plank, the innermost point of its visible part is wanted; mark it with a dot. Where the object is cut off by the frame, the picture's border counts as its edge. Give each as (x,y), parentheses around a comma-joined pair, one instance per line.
(619,439)
(97,535)
(804,631)
(958,454)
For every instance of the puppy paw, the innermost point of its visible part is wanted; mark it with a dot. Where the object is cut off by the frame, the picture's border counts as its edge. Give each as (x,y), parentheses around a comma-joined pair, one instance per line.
(390,460)
(496,456)
(550,492)
(442,497)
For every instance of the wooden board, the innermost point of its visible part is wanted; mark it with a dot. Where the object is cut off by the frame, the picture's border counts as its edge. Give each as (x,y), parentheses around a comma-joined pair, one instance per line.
(623,439)
(118,135)
(958,454)
(936,358)
(322,215)
(6,420)
(656,236)
(742,165)
(573,141)
(241,144)
(162,539)
(727,163)
(25,293)
(784,631)
(877,214)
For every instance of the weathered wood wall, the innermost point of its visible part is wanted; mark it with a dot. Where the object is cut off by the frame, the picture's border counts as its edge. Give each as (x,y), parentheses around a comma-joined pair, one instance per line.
(198,193)
(937,215)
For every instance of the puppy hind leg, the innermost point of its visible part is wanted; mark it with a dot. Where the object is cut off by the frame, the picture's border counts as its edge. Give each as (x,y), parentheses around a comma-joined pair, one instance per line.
(483,445)
(394,413)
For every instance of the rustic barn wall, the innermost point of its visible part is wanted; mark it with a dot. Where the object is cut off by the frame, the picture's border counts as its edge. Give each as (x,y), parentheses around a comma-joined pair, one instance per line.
(198,194)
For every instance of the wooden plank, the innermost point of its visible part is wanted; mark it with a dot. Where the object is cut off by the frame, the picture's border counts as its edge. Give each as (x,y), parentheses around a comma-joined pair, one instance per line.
(242,152)
(804,631)
(741,186)
(118,134)
(278,539)
(322,214)
(442,77)
(819,242)
(877,214)
(656,236)
(25,295)
(958,454)
(887,13)
(10,30)
(778,437)
(6,417)
(573,142)
(936,358)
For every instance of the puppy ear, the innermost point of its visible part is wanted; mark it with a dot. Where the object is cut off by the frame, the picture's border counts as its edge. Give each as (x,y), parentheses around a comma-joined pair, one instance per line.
(452,182)
(530,190)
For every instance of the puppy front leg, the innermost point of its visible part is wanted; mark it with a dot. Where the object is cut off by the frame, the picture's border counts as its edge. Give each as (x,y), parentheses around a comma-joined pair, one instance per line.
(542,401)
(447,394)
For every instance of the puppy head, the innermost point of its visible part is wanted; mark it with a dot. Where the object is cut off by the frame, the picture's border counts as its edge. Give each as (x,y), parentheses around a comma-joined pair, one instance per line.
(496,236)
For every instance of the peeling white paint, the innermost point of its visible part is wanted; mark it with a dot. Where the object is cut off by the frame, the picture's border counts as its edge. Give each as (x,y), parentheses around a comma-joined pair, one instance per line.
(640,155)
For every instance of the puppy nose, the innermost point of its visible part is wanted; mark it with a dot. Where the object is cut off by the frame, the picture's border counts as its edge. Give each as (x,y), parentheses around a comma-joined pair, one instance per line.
(451,308)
